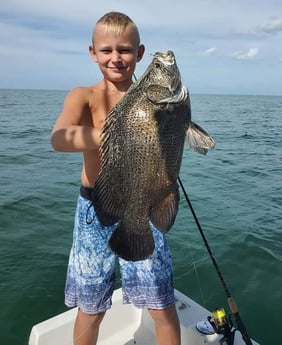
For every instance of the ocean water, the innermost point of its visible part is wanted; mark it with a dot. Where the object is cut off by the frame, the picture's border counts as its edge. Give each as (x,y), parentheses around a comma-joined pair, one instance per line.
(235,191)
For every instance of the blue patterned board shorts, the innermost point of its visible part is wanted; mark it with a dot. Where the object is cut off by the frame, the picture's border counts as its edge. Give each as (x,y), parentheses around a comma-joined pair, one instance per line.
(91,271)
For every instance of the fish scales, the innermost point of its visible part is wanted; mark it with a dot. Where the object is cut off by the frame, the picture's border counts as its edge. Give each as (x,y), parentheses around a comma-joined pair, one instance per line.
(141,152)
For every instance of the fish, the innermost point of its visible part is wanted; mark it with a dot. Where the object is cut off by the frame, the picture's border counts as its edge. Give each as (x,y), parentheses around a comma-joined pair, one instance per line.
(141,154)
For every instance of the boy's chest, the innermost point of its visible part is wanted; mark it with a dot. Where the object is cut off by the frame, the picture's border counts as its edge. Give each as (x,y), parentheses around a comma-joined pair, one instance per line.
(98,112)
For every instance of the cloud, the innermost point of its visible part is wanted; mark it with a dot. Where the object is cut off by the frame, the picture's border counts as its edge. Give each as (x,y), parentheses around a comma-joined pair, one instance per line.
(247,55)
(271,27)
(209,51)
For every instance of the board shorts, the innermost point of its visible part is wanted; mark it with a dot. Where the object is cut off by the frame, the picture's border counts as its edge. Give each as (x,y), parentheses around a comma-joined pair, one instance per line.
(92,267)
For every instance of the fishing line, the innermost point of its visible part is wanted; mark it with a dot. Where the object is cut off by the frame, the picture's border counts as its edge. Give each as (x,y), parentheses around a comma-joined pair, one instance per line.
(230,300)
(197,274)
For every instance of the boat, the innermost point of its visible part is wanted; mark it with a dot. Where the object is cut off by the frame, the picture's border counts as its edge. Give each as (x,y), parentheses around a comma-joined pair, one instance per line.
(125,324)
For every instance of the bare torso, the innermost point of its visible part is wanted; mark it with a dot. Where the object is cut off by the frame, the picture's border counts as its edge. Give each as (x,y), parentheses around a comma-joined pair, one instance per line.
(79,126)
(101,101)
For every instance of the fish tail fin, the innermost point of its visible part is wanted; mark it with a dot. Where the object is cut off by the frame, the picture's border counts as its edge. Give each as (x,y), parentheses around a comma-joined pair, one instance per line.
(198,139)
(132,245)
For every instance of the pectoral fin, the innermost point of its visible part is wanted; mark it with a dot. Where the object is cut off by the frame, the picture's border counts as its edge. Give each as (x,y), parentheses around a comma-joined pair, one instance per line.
(198,139)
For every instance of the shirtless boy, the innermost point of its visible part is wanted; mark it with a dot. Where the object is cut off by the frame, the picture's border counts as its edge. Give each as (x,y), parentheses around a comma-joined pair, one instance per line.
(116,49)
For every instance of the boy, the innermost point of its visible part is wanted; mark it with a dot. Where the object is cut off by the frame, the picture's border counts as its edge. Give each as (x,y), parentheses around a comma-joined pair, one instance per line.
(90,278)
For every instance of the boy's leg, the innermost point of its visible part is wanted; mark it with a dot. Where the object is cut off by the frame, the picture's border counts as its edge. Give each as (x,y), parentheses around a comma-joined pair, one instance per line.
(166,325)
(86,328)
(149,284)
(90,274)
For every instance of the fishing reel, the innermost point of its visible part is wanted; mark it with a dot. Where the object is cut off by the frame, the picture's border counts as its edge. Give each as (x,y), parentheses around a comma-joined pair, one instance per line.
(222,325)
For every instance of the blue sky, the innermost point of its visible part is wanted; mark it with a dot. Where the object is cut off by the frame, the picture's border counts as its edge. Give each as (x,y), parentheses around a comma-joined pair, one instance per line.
(222,46)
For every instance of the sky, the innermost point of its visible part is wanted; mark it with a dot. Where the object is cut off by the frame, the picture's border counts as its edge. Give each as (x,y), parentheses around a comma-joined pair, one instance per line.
(221,46)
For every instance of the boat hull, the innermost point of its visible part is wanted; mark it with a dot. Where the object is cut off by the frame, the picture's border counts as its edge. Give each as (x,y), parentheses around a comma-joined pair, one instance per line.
(126,325)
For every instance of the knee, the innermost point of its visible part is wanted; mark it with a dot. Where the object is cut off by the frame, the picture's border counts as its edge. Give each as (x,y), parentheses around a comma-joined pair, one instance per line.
(86,328)
(164,316)
(167,326)
(92,320)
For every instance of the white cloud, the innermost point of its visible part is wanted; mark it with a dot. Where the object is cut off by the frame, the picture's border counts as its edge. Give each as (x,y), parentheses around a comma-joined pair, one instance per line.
(209,51)
(246,55)
(272,26)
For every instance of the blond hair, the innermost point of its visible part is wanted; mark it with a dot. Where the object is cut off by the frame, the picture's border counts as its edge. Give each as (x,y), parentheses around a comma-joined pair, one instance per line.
(116,23)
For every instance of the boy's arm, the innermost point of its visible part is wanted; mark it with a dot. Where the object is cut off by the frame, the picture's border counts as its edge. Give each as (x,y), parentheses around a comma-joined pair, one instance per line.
(68,134)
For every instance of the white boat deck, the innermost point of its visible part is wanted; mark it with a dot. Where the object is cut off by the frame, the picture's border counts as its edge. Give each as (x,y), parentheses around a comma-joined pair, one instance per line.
(127,325)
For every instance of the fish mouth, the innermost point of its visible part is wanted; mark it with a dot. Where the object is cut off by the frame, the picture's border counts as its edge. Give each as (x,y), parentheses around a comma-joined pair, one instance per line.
(167,59)
(169,62)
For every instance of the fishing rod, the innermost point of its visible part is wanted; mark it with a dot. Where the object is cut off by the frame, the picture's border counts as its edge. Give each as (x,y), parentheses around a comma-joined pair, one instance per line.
(230,300)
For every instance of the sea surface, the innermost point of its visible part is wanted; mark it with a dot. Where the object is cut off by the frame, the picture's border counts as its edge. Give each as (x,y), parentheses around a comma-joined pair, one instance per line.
(235,191)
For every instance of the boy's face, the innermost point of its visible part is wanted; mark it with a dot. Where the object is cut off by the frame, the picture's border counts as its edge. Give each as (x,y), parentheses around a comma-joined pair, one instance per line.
(116,54)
